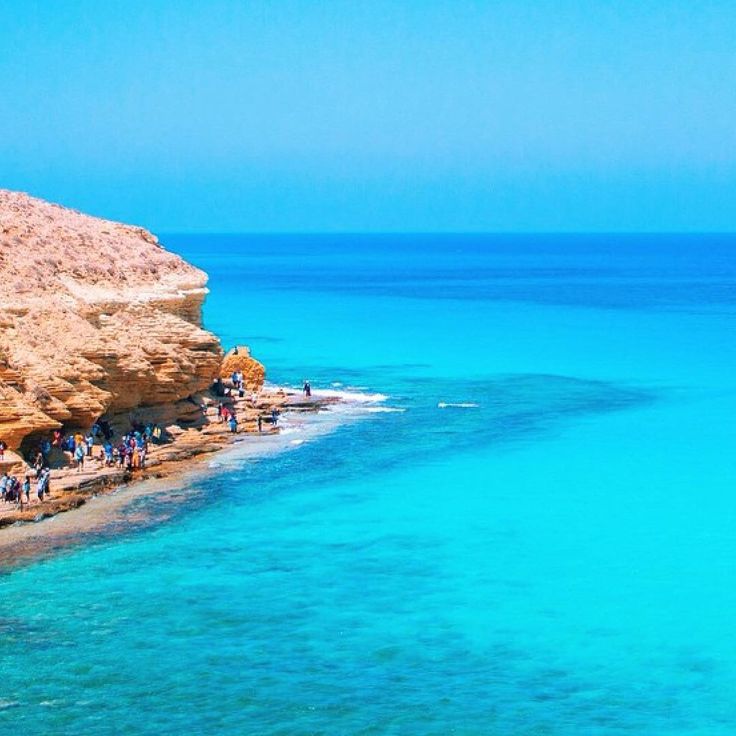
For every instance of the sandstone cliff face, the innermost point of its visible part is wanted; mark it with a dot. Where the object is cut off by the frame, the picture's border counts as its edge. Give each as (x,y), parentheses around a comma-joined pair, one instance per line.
(95,318)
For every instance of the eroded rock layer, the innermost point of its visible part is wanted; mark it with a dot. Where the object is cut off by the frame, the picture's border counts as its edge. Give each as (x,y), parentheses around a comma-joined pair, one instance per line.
(95,318)
(239,359)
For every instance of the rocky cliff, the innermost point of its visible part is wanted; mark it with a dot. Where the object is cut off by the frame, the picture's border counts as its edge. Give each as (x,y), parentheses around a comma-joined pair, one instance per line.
(95,318)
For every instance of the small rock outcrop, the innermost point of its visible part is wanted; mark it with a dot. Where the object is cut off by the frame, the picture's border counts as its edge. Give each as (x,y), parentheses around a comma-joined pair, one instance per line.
(240,359)
(95,318)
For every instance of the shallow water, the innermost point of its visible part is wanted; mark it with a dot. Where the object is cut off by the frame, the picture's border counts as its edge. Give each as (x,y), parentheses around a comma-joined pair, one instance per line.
(532,534)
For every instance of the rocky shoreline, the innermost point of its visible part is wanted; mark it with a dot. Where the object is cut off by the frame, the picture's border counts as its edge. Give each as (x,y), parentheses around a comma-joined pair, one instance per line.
(100,323)
(22,536)
(71,488)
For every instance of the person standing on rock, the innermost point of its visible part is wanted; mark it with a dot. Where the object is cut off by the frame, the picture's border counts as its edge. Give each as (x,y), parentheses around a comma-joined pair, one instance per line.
(79,454)
(15,491)
(39,464)
(3,447)
(233,422)
(70,446)
(27,489)
(260,423)
(89,440)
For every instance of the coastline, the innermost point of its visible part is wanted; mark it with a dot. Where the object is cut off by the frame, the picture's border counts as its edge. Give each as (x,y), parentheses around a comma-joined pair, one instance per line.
(100,506)
(98,344)
(33,531)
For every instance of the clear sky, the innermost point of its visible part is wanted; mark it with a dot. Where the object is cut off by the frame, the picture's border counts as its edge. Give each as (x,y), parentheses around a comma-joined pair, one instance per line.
(452,115)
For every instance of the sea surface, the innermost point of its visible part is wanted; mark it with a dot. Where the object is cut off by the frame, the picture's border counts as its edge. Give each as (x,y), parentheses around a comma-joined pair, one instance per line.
(528,525)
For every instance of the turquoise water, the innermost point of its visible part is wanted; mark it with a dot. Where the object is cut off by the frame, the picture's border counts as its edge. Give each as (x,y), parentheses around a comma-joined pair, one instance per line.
(557,556)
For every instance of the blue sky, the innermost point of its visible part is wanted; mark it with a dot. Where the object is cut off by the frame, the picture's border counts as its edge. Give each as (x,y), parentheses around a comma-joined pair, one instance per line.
(432,115)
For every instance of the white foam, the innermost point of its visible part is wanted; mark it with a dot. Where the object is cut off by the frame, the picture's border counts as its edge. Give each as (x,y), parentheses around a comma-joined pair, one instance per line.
(383,409)
(297,429)
(459,405)
(351,397)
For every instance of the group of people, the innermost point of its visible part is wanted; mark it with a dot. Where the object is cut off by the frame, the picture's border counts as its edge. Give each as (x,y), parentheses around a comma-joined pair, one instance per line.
(227,414)
(130,452)
(13,490)
(237,379)
(79,447)
(17,489)
(237,385)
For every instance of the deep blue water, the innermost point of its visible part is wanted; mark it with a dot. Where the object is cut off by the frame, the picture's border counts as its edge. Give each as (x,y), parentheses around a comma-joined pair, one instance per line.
(557,556)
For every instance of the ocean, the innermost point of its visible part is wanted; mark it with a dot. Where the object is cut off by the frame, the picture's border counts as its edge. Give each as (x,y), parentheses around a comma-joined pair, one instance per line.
(528,528)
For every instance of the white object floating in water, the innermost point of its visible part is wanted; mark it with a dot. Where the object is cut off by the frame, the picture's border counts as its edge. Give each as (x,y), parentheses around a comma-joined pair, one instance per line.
(460,405)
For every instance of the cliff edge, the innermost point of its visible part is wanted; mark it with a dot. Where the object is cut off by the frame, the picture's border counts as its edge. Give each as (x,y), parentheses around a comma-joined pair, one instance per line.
(96,318)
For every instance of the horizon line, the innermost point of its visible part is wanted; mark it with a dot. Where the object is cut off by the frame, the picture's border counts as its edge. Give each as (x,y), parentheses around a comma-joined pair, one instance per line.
(495,233)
